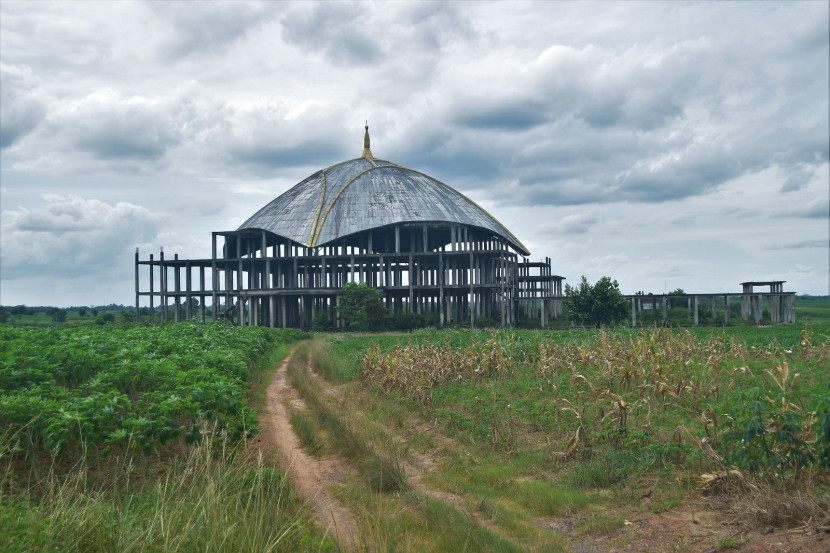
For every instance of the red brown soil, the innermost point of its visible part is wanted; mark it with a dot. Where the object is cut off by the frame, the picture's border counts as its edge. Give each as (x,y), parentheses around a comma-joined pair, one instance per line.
(311,476)
(694,528)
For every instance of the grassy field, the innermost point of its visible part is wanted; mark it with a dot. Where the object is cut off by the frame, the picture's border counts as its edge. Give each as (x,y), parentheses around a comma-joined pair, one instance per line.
(812,308)
(587,423)
(506,440)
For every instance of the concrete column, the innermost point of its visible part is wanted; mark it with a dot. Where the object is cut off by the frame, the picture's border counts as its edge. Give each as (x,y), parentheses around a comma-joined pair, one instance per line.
(411,279)
(726,309)
(136,285)
(696,312)
(163,285)
(152,310)
(202,297)
(441,299)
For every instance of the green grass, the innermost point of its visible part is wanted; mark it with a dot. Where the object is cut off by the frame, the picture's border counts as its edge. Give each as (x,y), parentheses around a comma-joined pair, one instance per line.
(210,501)
(812,308)
(307,431)
(599,525)
(546,499)
(512,426)
(608,467)
(730,543)
(378,464)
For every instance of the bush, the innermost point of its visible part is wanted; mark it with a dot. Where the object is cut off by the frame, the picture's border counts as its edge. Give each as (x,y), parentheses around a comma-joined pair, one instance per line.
(321,322)
(406,321)
(487,322)
(599,305)
(767,433)
(58,315)
(362,307)
(105,318)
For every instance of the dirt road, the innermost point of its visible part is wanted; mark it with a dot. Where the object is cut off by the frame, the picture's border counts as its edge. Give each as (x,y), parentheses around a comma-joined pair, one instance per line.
(311,476)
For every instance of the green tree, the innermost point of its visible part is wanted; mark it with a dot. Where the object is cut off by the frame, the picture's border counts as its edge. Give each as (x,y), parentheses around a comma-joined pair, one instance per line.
(678,302)
(599,305)
(105,318)
(362,307)
(58,315)
(82,311)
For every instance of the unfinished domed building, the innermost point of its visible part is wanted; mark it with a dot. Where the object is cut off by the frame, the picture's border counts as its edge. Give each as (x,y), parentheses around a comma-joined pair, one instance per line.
(429,249)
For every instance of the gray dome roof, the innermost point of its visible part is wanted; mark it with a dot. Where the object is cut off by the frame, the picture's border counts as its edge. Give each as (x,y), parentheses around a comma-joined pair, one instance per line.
(366,193)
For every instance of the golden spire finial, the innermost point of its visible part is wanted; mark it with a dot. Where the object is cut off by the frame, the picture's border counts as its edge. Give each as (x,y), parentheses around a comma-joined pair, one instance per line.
(367,153)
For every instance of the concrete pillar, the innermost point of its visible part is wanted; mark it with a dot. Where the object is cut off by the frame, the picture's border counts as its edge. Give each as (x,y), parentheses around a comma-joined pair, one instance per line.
(187,288)
(696,311)
(162,286)
(411,279)
(726,309)
(136,285)
(441,298)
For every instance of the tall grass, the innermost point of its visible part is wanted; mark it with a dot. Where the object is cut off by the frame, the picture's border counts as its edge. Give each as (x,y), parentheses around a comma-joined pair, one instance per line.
(381,468)
(333,368)
(213,499)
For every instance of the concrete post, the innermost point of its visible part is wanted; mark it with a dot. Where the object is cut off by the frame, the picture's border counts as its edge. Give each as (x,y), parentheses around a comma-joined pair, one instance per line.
(696,311)
(136,285)
(726,309)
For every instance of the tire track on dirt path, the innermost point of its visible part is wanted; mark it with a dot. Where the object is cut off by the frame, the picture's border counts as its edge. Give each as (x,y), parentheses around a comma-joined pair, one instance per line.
(310,475)
(417,466)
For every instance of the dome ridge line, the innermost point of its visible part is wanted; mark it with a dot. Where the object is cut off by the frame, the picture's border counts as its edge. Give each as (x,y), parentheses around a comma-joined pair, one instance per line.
(319,206)
(330,167)
(313,241)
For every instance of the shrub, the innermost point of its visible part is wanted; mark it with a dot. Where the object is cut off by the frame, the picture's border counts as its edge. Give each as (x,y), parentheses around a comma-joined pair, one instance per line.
(599,305)
(321,322)
(767,433)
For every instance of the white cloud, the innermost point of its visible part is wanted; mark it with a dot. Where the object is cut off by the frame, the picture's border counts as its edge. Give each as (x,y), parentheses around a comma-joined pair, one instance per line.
(590,129)
(74,237)
(22,108)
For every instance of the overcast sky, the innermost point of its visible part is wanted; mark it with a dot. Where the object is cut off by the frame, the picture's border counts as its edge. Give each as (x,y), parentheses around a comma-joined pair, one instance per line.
(667,145)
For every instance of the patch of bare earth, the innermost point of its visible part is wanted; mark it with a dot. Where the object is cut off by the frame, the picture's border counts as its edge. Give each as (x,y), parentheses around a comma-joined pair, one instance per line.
(691,528)
(311,476)
(694,528)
